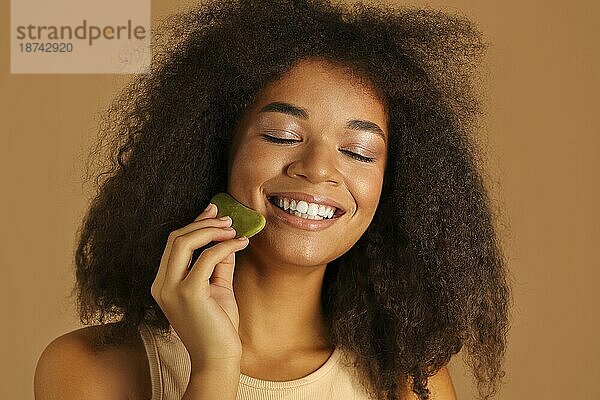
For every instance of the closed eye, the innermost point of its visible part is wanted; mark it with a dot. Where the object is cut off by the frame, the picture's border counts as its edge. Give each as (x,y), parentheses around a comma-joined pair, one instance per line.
(358,156)
(269,138)
(351,154)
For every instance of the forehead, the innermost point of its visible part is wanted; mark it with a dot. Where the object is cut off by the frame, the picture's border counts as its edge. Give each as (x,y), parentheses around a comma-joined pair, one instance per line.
(328,92)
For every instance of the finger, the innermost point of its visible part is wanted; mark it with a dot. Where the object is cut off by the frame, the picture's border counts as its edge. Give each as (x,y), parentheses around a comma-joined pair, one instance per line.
(208,260)
(210,212)
(197,224)
(221,222)
(224,222)
(183,247)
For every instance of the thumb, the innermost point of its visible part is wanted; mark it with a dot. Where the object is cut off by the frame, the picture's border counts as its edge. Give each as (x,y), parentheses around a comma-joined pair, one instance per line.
(223,272)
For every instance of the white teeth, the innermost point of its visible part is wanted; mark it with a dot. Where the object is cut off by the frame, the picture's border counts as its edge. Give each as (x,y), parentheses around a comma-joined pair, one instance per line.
(302,207)
(322,210)
(313,209)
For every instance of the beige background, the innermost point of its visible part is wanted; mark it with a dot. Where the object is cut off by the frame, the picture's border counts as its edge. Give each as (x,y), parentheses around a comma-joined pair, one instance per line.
(544,166)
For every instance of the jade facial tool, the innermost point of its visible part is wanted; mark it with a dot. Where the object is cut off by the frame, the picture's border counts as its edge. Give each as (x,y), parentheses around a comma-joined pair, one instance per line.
(245,221)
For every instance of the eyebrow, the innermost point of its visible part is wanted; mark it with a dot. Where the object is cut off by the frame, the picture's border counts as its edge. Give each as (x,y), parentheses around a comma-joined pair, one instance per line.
(299,112)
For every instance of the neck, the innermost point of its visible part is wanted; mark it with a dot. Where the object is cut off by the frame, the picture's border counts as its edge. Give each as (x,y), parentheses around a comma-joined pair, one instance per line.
(279,306)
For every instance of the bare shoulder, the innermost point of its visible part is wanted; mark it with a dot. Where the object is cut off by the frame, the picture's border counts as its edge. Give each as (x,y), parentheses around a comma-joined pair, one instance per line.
(69,368)
(440,386)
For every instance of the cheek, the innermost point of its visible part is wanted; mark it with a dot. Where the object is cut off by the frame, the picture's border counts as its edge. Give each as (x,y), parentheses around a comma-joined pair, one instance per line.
(251,165)
(367,190)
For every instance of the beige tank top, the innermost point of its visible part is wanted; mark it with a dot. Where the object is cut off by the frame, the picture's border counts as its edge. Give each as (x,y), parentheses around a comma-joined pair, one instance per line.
(170,371)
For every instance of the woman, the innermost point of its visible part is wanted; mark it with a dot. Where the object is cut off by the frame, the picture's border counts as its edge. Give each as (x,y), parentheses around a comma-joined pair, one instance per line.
(366,113)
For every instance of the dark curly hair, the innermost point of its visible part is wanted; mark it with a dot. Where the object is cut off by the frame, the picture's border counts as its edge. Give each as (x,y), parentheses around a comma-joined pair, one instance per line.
(427,277)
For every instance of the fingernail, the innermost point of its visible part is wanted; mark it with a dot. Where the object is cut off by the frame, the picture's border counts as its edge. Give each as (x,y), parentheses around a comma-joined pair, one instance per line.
(242,238)
(225,218)
(208,207)
(228,228)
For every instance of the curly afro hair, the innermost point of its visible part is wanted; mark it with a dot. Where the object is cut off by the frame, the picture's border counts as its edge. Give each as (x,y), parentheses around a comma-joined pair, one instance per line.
(427,277)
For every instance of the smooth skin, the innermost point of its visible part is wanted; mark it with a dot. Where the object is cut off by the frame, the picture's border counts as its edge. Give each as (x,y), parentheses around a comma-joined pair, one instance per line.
(270,307)
(279,277)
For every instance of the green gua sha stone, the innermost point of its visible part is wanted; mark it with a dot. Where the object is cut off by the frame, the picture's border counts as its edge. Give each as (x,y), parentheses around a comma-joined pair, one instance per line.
(245,221)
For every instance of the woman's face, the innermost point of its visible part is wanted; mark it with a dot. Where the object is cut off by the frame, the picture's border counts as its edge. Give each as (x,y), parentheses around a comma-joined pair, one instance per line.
(334,125)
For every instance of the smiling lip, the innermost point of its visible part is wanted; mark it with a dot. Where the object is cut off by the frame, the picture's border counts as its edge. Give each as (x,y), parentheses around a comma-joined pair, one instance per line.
(301,223)
(318,199)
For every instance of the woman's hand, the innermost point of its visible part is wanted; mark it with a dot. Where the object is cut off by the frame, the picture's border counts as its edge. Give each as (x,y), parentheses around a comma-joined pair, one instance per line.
(200,304)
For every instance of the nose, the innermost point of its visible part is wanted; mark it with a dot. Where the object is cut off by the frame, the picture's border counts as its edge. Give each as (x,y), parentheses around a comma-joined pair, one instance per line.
(317,163)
